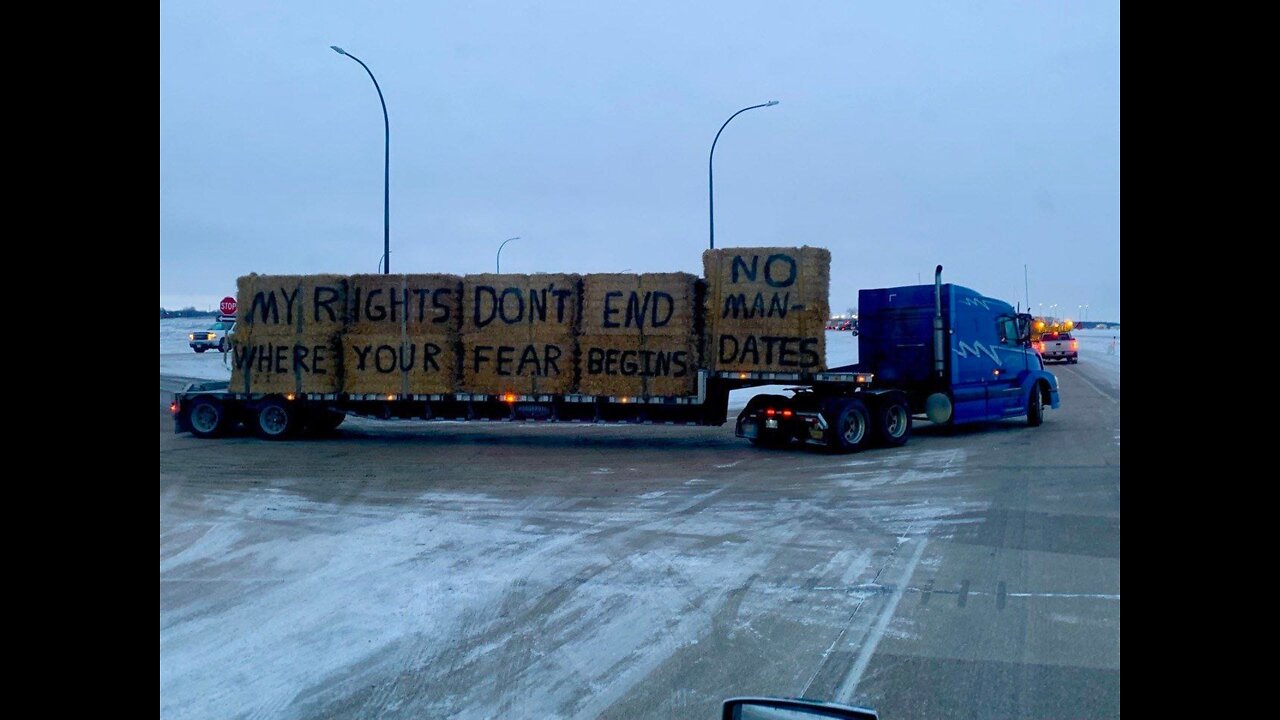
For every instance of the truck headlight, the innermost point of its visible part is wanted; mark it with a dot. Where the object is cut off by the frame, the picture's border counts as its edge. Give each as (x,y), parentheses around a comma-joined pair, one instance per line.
(192,336)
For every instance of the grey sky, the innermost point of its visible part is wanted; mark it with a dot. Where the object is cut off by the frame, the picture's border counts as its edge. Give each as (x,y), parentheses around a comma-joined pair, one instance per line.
(977,135)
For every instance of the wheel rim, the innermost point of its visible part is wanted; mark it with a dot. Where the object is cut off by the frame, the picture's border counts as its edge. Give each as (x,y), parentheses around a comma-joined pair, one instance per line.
(1035,402)
(273,420)
(854,427)
(204,418)
(897,424)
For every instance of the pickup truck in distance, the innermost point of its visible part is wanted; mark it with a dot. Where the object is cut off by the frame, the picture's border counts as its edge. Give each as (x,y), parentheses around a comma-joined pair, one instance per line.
(1058,346)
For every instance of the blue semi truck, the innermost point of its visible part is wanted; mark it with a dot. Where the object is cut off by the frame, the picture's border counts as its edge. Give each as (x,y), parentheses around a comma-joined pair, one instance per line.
(942,352)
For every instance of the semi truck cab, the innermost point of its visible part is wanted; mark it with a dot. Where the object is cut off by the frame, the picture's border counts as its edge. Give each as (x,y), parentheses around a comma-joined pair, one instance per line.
(960,356)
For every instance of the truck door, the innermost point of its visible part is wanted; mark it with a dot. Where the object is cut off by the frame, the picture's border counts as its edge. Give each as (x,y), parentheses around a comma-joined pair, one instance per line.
(973,362)
(1004,392)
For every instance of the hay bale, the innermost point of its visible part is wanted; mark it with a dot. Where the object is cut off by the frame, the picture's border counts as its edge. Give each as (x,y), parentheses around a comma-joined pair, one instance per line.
(412,306)
(390,364)
(493,365)
(313,306)
(502,304)
(633,366)
(643,305)
(518,333)
(272,361)
(766,308)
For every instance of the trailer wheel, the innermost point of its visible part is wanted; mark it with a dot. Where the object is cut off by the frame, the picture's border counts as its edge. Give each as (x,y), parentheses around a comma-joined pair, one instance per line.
(1035,407)
(893,422)
(207,417)
(849,424)
(276,420)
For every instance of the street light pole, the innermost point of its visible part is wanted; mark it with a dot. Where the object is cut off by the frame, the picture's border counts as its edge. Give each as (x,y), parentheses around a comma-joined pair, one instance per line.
(386,166)
(711,185)
(498,265)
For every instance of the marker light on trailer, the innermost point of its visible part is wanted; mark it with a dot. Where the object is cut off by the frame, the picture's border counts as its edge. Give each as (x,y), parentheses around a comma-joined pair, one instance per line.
(770,412)
(391,397)
(173,407)
(289,396)
(509,397)
(786,413)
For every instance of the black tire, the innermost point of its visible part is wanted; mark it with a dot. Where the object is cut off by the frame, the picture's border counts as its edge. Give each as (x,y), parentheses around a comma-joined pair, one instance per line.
(892,422)
(325,421)
(200,349)
(276,420)
(848,424)
(1073,361)
(1035,408)
(207,418)
(763,438)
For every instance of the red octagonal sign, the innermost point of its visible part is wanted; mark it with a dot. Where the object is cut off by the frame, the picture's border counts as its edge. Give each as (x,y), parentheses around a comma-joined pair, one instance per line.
(227,306)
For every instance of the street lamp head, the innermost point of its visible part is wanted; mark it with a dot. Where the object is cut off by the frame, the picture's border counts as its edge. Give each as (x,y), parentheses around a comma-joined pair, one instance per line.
(338,50)
(771,103)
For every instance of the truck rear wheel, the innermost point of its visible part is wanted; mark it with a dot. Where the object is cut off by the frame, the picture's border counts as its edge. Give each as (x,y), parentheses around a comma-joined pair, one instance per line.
(1035,408)
(276,420)
(848,424)
(207,417)
(893,422)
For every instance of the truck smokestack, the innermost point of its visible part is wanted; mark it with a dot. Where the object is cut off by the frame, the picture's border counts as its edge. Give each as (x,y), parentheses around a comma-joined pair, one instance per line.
(939,345)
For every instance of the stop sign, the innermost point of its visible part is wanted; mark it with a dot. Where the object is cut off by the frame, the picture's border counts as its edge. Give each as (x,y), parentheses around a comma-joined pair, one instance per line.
(227,306)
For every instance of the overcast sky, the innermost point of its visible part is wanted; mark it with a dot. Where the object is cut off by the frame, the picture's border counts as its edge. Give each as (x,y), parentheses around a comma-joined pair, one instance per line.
(981,136)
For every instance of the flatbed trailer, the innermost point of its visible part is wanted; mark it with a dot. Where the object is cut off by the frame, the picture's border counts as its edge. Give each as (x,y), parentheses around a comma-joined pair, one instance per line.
(943,353)
(211,409)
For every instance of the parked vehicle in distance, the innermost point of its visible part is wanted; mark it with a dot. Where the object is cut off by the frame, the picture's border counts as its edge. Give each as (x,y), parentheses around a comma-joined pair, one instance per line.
(215,337)
(1058,346)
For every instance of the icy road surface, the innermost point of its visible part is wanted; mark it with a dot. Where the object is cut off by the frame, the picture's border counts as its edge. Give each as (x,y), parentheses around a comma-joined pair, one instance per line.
(408,570)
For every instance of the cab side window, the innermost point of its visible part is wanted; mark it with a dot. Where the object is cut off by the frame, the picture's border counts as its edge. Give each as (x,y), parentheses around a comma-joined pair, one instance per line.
(1007,328)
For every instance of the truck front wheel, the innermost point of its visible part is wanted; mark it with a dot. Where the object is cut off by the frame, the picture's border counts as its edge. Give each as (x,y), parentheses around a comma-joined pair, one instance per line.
(1035,408)
(276,420)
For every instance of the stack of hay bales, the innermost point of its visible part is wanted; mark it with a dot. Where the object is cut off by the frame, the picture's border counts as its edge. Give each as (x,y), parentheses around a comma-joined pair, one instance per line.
(639,337)
(518,333)
(766,308)
(288,330)
(402,334)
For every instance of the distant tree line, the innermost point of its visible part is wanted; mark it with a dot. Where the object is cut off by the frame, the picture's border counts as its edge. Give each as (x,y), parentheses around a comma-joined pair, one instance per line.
(186,312)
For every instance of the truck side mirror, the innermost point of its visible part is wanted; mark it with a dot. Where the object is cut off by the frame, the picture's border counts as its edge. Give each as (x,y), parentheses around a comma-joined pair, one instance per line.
(1024,328)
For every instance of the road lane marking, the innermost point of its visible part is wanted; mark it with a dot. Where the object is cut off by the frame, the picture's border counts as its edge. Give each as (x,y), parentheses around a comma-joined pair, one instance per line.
(850,684)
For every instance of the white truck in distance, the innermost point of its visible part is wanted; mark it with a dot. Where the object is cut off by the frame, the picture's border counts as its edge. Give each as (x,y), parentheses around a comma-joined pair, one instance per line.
(1059,346)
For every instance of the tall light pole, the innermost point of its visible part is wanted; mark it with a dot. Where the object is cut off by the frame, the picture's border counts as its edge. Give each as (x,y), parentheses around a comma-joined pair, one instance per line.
(711,185)
(386,166)
(498,265)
